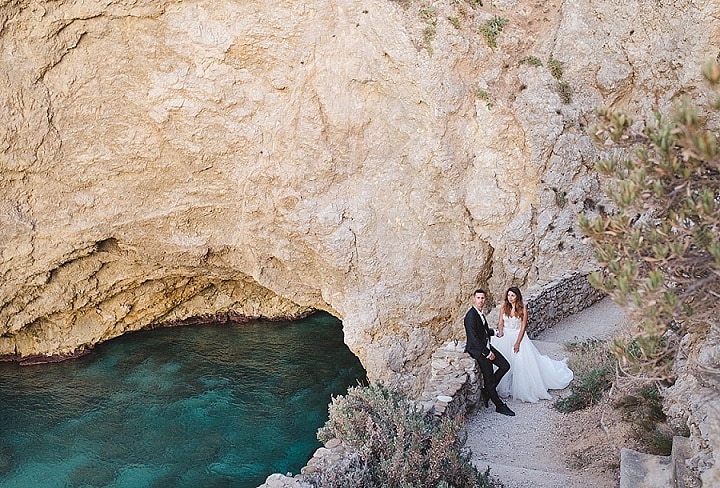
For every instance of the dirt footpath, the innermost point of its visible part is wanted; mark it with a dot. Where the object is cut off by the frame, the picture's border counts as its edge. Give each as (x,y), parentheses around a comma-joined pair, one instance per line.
(541,447)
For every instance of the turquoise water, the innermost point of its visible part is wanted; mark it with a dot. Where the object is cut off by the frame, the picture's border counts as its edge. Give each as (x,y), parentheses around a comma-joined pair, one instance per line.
(194,406)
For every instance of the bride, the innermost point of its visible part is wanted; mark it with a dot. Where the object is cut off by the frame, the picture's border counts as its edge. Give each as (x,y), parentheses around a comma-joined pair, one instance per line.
(531,374)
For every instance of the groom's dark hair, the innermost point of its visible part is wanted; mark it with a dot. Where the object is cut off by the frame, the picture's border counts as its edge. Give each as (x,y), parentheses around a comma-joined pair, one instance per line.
(479,290)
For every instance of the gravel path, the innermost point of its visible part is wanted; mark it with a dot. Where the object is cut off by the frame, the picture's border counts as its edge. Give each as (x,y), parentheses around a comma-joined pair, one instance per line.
(529,450)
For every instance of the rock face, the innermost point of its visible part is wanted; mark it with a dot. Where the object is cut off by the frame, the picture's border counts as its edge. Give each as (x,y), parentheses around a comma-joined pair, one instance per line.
(379,160)
(692,403)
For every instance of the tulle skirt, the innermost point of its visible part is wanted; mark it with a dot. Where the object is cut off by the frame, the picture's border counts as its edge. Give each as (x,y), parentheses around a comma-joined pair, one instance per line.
(531,374)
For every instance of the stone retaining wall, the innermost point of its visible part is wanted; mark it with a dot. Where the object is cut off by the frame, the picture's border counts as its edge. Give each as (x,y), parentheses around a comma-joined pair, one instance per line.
(557,300)
(454,385)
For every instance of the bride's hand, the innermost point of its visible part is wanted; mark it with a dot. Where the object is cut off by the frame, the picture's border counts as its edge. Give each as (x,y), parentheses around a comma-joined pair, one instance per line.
(516,348)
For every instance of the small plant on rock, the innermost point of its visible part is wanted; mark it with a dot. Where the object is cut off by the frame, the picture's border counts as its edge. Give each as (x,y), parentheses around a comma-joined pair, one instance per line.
(565,91)
(428,37)
(492,28)
(556,68)
(532,61)
(429,16)
(483,95)
(560,197)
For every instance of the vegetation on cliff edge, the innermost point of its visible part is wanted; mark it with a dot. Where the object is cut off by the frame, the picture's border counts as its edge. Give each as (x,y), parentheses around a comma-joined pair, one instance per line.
(395,444)
(660,246)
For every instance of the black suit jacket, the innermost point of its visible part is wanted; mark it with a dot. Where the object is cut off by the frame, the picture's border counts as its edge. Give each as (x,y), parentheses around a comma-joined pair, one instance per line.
(478,335)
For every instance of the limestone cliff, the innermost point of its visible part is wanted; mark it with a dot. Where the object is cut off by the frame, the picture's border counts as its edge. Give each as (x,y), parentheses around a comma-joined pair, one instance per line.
(163,160)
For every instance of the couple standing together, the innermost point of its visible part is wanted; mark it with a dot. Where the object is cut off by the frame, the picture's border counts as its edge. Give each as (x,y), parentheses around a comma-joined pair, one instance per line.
(531,374)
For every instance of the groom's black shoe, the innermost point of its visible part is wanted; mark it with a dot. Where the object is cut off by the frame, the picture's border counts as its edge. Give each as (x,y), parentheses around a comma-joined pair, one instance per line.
(505,410)
(485,398)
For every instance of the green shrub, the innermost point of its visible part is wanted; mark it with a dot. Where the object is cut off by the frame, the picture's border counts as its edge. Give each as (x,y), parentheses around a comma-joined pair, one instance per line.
(396,444)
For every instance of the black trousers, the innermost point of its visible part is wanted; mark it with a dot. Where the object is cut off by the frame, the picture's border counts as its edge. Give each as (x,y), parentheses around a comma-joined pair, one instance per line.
(491,378)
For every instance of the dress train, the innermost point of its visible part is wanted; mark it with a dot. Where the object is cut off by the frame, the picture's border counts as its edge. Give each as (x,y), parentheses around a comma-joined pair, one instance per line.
(531,374)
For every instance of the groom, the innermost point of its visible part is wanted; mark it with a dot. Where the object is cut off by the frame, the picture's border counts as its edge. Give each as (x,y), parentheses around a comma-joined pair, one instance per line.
(478,346)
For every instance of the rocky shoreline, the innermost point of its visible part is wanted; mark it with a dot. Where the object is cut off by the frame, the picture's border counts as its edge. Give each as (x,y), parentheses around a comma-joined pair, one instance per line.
(41,359)
(229,317)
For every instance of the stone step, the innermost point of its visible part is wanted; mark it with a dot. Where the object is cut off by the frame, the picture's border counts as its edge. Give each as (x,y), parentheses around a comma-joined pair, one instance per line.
(519,477)
(682,451)
(640,470)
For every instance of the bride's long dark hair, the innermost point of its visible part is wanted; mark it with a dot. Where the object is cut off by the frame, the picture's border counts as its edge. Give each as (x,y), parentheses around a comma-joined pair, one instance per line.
(519,305)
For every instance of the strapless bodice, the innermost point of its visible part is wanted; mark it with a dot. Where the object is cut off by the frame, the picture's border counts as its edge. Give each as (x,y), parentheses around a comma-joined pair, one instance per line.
(511,322)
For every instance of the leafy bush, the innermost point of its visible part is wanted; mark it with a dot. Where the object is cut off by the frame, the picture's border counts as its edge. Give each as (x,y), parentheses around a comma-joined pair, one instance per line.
(660,245)
(396,443)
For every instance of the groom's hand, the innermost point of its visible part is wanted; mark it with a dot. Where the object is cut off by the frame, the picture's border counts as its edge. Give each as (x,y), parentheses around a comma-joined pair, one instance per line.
(491,356)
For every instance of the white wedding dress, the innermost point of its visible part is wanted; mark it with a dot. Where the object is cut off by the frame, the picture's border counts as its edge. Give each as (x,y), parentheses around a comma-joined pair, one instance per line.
(531,374)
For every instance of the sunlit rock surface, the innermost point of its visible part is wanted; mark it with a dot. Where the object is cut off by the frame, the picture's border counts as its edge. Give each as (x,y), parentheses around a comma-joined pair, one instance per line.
(378,160)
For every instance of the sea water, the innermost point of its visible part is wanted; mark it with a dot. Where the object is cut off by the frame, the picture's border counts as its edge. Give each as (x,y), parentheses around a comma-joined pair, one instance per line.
(193,406)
